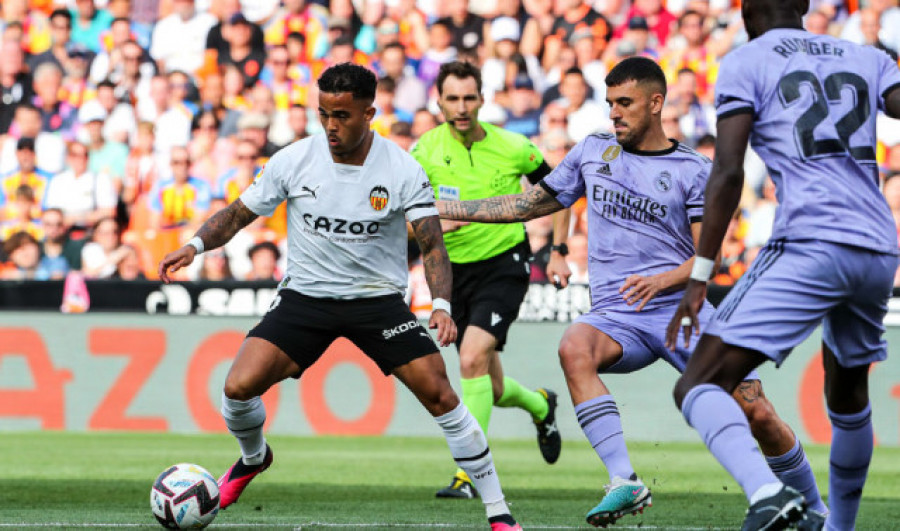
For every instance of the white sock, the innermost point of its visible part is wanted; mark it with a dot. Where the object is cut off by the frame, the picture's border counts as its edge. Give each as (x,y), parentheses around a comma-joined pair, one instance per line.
(470,450)
(245,419)
(769,489)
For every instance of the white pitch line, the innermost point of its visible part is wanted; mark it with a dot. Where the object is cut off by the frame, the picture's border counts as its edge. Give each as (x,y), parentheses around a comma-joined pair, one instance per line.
(299,527)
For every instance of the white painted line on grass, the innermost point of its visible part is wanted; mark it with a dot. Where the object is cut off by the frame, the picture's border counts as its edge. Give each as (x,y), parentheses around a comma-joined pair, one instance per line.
(300,527)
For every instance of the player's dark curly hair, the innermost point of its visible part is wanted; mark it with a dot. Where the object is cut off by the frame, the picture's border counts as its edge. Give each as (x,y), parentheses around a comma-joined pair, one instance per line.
(458,69)
(640,69)
(348,77)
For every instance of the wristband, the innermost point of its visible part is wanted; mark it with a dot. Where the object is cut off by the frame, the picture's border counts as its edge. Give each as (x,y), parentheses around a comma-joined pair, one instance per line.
(703,269)
(441,304)
(197,243)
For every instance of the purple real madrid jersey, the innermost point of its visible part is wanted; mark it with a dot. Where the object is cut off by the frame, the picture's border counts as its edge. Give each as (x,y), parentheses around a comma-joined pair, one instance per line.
(814,101)
(640,209)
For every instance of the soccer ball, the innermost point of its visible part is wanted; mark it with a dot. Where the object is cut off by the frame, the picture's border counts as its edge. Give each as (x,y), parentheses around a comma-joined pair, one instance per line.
(185,496)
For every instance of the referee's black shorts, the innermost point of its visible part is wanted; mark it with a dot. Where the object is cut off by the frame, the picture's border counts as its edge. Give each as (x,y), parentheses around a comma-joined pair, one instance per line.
(488,294)
(382,327)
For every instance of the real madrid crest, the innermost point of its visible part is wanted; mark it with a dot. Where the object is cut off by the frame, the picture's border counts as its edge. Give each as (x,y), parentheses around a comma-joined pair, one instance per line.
(611,153)
(378,197)
(664,181)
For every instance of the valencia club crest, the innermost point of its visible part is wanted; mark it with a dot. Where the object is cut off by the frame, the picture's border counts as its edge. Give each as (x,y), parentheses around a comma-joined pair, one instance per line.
(378,197)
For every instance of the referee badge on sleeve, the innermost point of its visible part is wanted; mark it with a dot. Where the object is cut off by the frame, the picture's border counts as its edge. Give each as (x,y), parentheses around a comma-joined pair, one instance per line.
(378,198)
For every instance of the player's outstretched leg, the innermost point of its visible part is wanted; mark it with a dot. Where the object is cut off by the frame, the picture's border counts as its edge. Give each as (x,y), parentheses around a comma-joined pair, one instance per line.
(426,377)
(258,365)
(479,400)
(723,426)
(782,449)
(245,419)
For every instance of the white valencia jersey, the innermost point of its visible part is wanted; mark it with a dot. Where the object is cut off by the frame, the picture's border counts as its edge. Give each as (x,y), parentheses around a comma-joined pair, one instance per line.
(346,224)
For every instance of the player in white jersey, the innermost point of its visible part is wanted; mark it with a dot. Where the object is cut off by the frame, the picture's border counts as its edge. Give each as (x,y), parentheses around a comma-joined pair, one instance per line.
(808,104)
(350,194)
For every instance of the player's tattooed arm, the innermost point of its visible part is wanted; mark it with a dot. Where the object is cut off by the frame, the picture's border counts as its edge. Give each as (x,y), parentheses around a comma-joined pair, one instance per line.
(224,224)
(534,203)
(434,256)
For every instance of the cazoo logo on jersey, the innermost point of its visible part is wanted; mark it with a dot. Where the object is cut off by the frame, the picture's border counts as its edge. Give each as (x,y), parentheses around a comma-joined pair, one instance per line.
(400,328)
(340,226)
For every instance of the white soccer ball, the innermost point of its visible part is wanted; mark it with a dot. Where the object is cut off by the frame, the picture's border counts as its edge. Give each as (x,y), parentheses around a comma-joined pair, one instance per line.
(185,496)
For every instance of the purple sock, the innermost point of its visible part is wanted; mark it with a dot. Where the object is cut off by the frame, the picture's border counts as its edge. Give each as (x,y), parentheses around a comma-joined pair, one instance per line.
(599,418)
(725,431)
(793,470)
(851,451)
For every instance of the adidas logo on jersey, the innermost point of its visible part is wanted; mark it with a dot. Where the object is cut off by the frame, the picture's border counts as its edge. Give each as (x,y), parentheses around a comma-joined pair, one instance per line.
(604,170)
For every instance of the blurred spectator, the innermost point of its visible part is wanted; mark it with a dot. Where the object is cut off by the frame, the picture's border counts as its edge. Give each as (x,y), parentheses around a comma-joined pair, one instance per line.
(215,266)
(410,93)
(129,266)
(671,122)
(254,126)
(24,258)
(870,27)
(110,58)
(889,16)
(56,116)
(577,16)
(524,113)
(27,173)
(706,146)
(689,51)
(173,125)
(285,90)
(210,153)
(696,118)
(83,196)
(466,28)
(20,213)
(141,167)
(304,18)
(636,39)
(15,82)
(240,51)
(179,40)
(120,123)
(101,256)
(761,220)
(60,252)
(104,157)
(88,23)
(817,22)
(401,134)
(264,258)
(60,39)
(585,116)
(180,199)
(32,25)
(577,259)
(386,115)
(298,119)
(215,39)
(423,121)
(587,58)
(238,177)
(440,51)
(658,18)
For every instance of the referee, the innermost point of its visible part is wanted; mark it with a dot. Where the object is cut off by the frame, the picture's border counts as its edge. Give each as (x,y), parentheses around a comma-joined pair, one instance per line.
(467,159)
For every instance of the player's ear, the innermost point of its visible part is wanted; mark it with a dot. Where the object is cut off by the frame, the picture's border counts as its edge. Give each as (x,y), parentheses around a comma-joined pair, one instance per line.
(657,101)
(370,113)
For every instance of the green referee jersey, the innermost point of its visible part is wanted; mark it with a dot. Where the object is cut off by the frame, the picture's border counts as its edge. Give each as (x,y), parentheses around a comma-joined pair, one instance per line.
(492,166)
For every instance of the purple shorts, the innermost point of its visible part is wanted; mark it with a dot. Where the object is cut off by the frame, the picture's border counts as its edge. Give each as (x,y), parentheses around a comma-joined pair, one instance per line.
(792,286)
(642,336)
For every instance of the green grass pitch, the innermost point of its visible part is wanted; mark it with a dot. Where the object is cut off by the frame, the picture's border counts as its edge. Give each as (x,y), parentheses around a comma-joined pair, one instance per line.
(102,480)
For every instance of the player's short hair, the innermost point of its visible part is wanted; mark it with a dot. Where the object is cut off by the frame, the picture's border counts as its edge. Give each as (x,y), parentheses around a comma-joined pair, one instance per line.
(348,77)
(458,69)
(639,69)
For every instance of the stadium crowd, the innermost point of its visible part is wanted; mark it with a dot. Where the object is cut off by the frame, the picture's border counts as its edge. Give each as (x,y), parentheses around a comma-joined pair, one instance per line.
(125,123)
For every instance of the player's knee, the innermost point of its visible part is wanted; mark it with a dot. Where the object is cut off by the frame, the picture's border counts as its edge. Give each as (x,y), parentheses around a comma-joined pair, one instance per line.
(240,388)
(441,402)
(472,365)
(765,424)
(575,358)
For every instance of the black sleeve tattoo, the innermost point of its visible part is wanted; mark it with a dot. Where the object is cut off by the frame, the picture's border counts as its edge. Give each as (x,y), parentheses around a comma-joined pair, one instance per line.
(434,256)
(224,224)
(750,390)
(502,209)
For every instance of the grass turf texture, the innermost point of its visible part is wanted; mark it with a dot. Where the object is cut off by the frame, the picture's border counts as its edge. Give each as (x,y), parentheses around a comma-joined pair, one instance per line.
(81,481)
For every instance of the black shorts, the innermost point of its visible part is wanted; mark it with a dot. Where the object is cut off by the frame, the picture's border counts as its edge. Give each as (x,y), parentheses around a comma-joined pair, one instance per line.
(383,327)
(489,293)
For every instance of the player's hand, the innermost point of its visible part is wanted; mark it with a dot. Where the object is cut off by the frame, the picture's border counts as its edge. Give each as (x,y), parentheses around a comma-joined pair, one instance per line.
(448,225)
(640,289)
(685,318)
(175,260)
(558,270)
(446,328)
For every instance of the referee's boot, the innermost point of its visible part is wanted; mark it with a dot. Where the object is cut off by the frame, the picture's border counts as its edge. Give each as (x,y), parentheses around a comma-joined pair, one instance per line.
(236,479)
(548,437)
(460,487)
